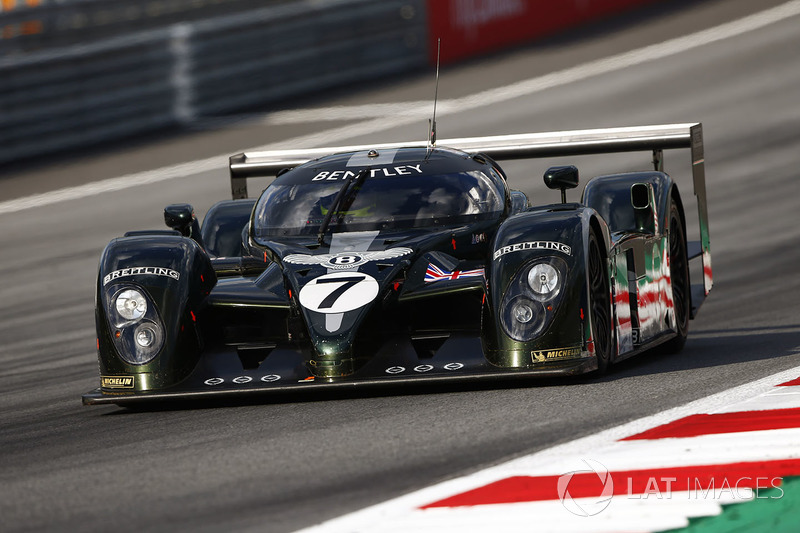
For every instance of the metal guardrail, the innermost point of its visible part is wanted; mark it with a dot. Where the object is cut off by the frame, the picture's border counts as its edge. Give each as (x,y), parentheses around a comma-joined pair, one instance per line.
(296,48)
(82,94)
(29,25)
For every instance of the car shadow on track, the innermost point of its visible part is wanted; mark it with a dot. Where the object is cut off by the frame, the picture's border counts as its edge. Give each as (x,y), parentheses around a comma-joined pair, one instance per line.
(712,348)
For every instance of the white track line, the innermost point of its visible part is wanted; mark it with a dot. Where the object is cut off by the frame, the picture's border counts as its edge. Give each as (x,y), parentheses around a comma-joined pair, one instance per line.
(351,112)
(467,103)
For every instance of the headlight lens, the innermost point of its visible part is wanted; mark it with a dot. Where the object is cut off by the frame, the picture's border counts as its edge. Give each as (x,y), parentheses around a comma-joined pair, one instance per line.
(522,312)
(148,338)
(544,281)
(145,335)
(523,318)
(131,304)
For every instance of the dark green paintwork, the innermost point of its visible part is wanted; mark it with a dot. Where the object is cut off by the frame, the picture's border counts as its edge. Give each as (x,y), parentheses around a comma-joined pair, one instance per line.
(252,314)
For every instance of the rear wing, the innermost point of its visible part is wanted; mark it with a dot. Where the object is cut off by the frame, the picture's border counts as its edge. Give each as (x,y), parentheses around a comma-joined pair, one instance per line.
(529,146)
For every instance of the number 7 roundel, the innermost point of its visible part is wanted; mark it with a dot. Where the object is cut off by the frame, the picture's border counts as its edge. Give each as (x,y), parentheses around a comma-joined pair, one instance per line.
(339,292)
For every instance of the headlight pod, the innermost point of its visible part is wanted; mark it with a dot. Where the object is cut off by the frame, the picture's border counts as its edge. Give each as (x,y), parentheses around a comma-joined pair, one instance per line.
(531,298)
(135,325)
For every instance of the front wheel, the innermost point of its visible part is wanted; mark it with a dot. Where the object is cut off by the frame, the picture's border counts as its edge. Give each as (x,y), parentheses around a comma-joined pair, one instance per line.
(599,304)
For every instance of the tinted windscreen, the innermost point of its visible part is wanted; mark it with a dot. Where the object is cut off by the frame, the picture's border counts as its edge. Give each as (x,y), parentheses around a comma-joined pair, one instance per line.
(379,203)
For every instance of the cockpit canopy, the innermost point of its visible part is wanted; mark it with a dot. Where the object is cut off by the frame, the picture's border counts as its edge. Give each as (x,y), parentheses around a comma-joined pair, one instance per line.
(399,189)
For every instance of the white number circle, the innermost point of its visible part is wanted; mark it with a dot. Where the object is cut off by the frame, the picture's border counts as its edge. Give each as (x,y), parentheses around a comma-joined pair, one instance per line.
(339,292)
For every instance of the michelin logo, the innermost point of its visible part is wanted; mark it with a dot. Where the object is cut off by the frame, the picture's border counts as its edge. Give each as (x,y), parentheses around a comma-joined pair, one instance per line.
(141,271)
(117,382)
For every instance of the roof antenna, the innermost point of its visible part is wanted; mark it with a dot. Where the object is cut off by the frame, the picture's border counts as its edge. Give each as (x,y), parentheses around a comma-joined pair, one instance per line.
(432,122)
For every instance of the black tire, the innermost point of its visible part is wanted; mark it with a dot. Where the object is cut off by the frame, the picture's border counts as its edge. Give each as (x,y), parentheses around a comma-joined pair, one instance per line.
(599,304)
(681,285)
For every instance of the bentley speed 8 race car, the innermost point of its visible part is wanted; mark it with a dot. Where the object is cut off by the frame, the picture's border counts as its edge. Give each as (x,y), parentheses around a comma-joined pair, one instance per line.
(404,263)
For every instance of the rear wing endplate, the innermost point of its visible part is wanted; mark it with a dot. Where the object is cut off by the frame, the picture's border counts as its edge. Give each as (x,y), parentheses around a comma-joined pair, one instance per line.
(528,146)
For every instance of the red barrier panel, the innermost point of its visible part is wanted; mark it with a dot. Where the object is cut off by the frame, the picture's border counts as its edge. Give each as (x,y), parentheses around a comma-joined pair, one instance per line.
(472,27)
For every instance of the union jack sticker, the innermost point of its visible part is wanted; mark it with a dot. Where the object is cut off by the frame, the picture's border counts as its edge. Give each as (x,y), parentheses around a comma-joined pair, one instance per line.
(434,273)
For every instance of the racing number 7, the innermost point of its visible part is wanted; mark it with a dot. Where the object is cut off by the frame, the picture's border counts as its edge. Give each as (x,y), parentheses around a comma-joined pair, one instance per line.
(346,283)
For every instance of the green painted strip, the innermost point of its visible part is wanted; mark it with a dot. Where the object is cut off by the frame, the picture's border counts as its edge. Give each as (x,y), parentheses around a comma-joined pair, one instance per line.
(774,511)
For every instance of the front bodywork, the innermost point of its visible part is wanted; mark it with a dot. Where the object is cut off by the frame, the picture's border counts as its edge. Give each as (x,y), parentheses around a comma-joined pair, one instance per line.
(395,302)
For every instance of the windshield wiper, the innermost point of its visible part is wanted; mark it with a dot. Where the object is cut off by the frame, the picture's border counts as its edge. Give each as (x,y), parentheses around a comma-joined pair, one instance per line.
(340,196)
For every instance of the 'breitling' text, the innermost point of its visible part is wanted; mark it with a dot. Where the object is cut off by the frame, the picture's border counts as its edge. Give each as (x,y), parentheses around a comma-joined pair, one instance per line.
(533,245)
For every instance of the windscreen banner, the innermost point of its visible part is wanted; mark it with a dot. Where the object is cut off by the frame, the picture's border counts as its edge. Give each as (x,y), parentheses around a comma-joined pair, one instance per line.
(473,27)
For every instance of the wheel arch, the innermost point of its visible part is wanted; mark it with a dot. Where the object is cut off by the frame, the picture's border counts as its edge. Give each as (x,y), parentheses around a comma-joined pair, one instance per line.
(174,275)
(558,235)
(675,196)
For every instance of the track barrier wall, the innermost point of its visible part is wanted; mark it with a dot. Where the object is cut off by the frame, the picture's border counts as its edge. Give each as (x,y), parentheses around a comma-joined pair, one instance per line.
(78,72)
(59,97)
(473,27)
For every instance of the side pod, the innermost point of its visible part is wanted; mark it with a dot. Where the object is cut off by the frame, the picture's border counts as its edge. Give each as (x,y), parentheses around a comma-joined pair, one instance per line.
(613,196)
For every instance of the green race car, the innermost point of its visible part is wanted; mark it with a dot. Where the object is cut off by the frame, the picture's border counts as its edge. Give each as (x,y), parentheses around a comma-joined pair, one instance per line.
(403,263)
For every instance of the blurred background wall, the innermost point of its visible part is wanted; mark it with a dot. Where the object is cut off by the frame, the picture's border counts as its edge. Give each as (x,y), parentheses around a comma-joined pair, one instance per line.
(77,72)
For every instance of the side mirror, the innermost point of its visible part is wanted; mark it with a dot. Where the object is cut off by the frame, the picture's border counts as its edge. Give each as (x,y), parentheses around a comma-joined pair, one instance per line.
(644,208)
(519,202)
(180,217)
(563,178)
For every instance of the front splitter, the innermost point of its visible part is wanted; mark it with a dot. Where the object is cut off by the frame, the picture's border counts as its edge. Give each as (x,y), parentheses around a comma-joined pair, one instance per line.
(457,373)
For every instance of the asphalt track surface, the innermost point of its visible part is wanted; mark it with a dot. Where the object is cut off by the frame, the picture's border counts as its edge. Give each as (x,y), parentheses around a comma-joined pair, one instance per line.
(285,463)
